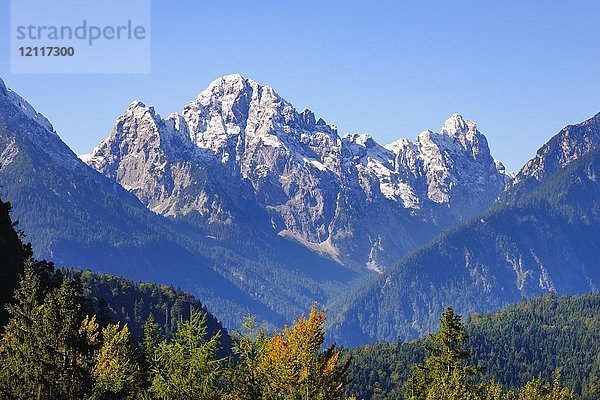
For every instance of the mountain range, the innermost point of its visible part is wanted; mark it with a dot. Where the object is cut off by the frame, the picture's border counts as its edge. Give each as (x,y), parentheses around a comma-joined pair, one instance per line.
(77,217)
(240,153)
(257,208)
(539,237)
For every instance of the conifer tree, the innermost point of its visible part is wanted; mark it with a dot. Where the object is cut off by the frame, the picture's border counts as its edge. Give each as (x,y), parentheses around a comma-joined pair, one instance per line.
(12,257)
(249,349)
(294,366)
(22,374)
(47,347)
(446,374)
(187,368)
(591,389)
(153,336)
(117,374)
(535,389)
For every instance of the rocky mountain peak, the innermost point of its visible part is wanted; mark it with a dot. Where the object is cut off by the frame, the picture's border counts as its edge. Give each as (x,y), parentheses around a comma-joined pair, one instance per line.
(307,118)
(25,107)
(568,145)
(457,126)
(229,82)
(136,104)
(361,139)
(19,116)
(314,186)
(140,135)
(138,120)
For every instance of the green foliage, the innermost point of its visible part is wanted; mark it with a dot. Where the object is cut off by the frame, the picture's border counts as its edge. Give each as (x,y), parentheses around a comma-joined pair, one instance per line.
(188,367)
(445,374)
(115,299)
(12,256)
(537,390)
(117,375)
(153,337)
(250,348)
(46,348)
(538,337)
(50,350)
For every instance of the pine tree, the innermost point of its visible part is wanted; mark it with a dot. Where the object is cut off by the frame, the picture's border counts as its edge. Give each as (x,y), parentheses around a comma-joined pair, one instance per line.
(153,336)
(536,390)
(138,311)
(22,374)
(187,368)
(415,388)
(117,374)
(249,349)
(592,388)
(446,374)
(47,346)
(65,349)
(294,366)
(12,257)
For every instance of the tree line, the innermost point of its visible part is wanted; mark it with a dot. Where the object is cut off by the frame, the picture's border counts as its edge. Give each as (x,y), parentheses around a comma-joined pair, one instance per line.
(51,349)
(531,339)
(55,345)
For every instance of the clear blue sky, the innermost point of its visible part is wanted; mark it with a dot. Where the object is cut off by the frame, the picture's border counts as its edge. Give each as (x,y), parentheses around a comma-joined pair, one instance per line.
(520,69)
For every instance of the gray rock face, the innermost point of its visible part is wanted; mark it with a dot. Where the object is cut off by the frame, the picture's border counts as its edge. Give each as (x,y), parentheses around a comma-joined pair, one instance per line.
(540,237)
(240,145)
(19,115)
(570,144)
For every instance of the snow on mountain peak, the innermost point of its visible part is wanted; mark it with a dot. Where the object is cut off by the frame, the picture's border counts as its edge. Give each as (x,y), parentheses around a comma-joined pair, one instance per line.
(297,167)
(456,126)
(229,80)
(136,104)
(25,107)
(228,86)
(361,139)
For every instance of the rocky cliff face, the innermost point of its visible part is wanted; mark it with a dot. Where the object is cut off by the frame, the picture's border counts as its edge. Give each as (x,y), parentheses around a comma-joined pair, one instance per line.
(239,150)
(539,237)
(79,218)
(570,144)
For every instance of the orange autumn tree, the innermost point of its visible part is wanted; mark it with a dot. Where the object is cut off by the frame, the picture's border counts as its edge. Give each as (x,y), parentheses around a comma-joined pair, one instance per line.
(294,367)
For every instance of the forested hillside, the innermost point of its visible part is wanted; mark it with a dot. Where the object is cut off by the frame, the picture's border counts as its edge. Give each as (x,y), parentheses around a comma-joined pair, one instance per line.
(77,335)
(111,298)
(116,299)
(532,339)
(546,241)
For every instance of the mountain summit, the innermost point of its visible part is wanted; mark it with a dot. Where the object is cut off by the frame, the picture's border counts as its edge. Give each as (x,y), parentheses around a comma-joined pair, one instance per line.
(239,143)
(79,218)
(539,237)
(255,206)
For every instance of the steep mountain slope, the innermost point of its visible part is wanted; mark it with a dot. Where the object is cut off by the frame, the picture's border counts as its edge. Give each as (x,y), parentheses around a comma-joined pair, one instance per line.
(568,145)
(543,242)
(240,154)
(79,218)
